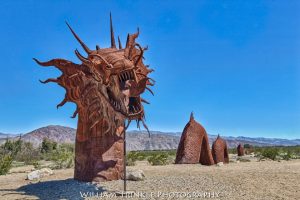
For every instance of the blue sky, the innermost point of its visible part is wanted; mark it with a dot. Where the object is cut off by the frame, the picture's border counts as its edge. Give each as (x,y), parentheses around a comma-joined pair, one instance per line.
(235,63)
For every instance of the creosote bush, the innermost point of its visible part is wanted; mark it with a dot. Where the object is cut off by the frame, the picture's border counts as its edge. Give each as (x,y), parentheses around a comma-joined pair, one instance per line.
(48,146)
(159,159)
(270,153)
(5,164)
(63,156)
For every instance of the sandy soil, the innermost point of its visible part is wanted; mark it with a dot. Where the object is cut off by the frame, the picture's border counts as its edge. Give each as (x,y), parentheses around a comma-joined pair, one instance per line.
(244,180)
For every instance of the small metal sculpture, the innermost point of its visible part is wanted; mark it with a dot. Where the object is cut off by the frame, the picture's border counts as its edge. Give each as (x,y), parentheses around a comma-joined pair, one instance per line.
(240,150)
(194,145)
(220,150)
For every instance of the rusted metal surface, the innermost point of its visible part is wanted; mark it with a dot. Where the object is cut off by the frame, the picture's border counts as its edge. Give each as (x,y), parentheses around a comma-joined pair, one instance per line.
(106,88)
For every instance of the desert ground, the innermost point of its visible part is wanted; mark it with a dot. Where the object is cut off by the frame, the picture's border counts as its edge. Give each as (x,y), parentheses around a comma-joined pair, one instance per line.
(244,180)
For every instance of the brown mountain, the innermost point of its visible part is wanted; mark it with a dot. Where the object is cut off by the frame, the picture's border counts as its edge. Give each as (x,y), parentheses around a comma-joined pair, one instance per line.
(139,140)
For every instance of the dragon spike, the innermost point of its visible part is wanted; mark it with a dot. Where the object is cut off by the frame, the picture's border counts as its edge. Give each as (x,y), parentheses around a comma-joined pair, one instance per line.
(126,127)
(150,91)
(79,40)
(192,116)
(120,44)
(63,102)
(138,124)
(49,80)
(145,101)
(146,127)
(75,113)
(82,58)
(112,36)
(131,38)
(127,41)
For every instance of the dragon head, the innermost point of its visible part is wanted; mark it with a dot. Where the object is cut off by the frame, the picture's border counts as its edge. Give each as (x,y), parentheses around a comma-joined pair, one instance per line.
(118,74)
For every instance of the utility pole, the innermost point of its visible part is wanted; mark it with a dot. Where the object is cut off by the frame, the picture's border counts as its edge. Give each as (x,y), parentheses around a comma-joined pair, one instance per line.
(124,166)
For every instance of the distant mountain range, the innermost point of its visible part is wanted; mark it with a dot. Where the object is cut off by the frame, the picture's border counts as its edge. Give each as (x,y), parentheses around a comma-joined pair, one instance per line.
(139,140)
(6,135)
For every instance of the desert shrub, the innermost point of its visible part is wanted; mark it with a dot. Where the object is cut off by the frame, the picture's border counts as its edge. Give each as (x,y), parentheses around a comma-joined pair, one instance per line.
(48,146)
(5,164)
(63,157)
(130,162)
(286,155)
(12,147)
(68,147)
(149,153)
(159,159)
(28,154)
(36,165)
(153,155)
(131,158)
(232,151)
(270,153)
(136,155)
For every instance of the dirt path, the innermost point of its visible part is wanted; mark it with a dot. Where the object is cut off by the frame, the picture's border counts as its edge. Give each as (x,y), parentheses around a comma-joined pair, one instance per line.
(249,180)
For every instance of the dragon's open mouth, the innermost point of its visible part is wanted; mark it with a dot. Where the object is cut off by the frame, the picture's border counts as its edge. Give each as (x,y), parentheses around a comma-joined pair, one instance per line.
(134,107)
(130,106)
(126,75)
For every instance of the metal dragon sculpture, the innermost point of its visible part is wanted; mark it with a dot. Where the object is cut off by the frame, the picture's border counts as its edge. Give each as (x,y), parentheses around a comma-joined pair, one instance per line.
(106,88)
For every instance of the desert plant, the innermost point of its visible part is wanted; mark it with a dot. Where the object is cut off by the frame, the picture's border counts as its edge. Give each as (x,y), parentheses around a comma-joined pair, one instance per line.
(130,162)
(232,151)
(28,154)
(68,147)
(286,155)
(48,146)
(5,164)
(62,159)
(36,165)
(12,147)
(131,158)
(270,153)
(159,159)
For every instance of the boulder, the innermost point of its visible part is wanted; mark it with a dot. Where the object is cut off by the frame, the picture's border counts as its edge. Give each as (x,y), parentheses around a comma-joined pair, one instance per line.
(137,175)
(37,174)
(194,146)
(34,175)
(46,172)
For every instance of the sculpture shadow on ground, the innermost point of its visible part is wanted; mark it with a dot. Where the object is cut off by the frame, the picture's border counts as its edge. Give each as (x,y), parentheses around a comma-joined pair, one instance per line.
(60,189)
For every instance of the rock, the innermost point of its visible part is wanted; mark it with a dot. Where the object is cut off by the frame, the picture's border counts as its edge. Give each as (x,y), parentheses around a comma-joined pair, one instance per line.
(34,175)
(46,171)
(220,151)
(37,174)
(137,175)
(220,164)
(194,145)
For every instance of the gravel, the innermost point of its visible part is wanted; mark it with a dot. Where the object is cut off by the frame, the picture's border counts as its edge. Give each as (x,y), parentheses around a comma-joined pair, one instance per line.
(244,180)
